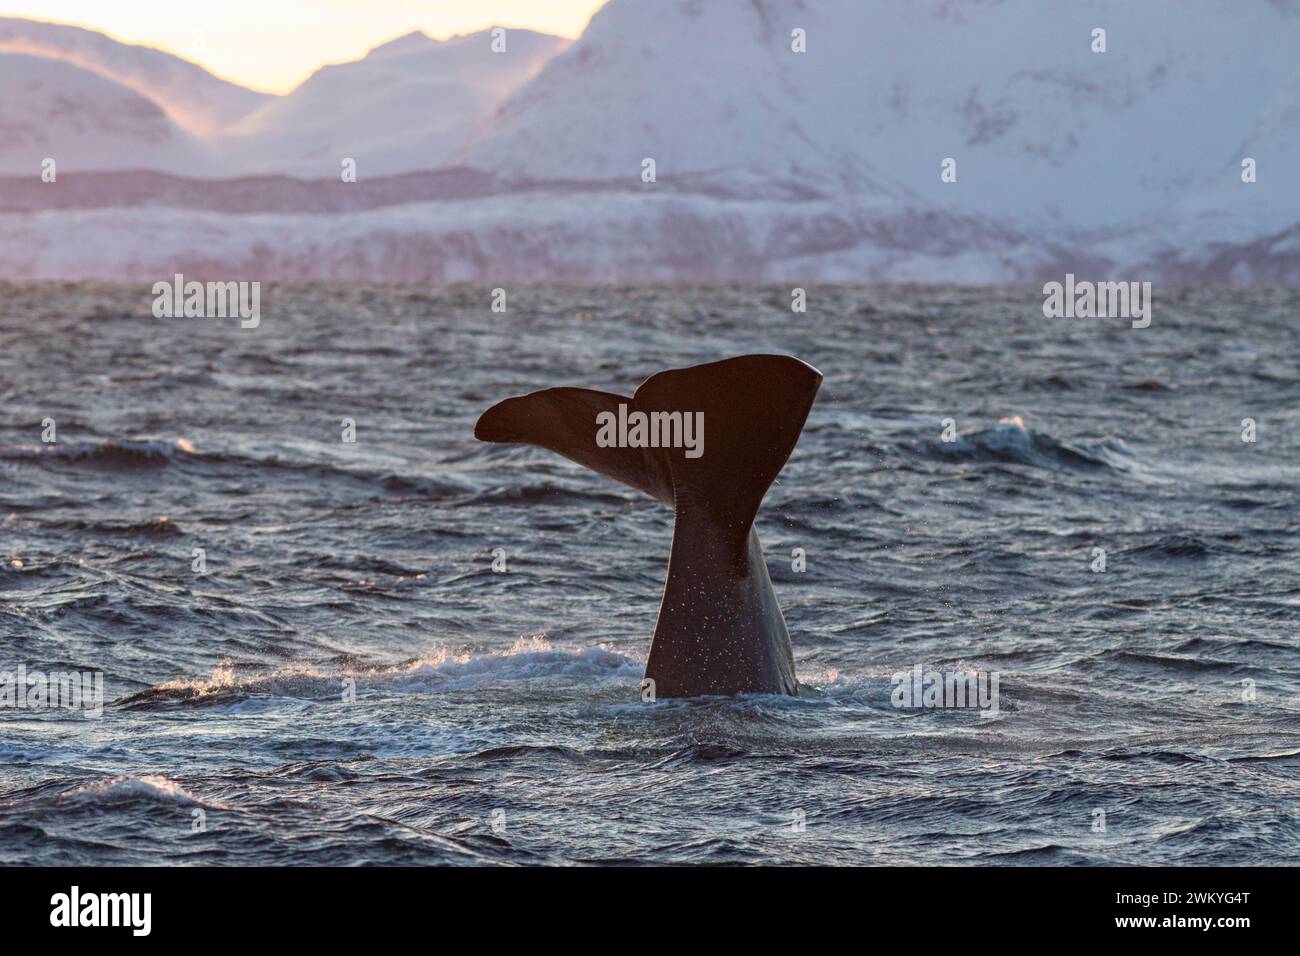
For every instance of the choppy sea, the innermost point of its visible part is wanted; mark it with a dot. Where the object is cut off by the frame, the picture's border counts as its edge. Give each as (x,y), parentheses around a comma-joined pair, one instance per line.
(348,679)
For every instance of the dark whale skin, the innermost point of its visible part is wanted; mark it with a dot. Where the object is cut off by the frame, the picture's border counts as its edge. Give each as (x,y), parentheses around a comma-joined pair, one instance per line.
(720,629)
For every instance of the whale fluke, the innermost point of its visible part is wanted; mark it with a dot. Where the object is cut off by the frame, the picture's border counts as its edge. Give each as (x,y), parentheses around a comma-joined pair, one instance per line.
(564,421)
(720,628)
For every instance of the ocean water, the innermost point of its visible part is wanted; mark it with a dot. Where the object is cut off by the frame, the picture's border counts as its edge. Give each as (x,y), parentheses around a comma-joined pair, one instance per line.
(350,681)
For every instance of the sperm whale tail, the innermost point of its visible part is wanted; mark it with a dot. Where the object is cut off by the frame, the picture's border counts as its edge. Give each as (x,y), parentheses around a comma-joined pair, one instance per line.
(720,628)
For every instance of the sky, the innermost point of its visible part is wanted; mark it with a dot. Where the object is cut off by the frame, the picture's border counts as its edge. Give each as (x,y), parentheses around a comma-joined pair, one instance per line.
(273,45)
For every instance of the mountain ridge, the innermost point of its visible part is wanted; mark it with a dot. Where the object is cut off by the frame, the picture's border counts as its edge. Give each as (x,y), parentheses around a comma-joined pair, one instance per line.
(1127,159)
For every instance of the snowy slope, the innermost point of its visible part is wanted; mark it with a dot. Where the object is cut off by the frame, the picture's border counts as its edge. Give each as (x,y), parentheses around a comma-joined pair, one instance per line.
(563,235)
(530,236)
(51,108)
(192,97)
(1222,207)
(1044,131)
(771,164)
(407,105)
(1051,134)
(706,90)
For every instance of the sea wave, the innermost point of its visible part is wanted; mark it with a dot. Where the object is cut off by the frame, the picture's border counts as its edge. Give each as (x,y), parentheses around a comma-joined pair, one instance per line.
(127,454)
(528,659)
(128,788)
(1010,441)
(109,453)
(1175,546)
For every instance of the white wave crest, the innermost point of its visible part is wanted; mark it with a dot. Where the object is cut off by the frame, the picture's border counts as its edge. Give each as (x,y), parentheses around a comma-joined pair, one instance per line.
(149,787)
(529,658)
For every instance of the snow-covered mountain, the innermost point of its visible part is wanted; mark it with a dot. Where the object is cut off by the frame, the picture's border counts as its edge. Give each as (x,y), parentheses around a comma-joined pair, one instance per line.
(1043,130)
(84,121)
(1224,206)
(408,105)
(192,97)
(531,236)
(771,164)
(712,92)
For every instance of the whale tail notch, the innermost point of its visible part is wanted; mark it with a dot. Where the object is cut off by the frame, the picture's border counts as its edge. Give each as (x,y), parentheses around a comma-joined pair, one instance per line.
(754,408)
(720,629)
